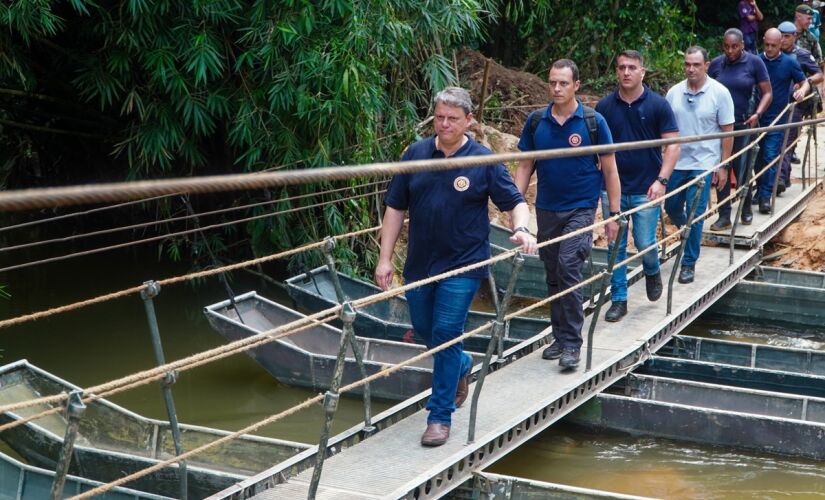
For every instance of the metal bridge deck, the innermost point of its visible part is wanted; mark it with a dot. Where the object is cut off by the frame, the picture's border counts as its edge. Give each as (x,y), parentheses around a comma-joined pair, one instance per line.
(520,399)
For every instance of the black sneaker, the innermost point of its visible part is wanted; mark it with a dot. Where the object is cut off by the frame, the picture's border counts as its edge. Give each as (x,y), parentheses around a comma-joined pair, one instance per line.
(780,188)
(617,309)
(552,352)
(788,182)
(747,218)
(653,285)
(764,206)
(569,357)
(686,274)
(795,159)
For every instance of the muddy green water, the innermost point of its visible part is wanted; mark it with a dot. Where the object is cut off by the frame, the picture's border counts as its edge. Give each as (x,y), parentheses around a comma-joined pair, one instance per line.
(106,341)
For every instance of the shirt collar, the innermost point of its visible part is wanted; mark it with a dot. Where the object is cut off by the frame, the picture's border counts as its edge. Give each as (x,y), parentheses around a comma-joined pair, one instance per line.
(642,97)
(466,145)
(774,59)
(702,90)
(579,110)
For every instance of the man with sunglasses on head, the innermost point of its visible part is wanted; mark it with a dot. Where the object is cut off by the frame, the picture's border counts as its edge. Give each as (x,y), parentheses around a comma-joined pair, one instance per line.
(702,106)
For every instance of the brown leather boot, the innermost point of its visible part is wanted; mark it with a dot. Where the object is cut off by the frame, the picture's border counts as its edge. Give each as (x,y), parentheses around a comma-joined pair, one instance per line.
(462,391)
(435,435)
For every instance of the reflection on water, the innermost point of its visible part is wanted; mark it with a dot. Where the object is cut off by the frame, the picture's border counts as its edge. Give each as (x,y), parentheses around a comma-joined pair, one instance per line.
(110,340)
(757,333)
(660,468)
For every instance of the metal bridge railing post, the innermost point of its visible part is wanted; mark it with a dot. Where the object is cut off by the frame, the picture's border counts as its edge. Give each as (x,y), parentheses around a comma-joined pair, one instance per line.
(684,238)
(147,294)
(74,411)
(779,161)
(602,287)
(329,246)
(495,339)
(590,287)
(664,233)
(807,158)
(744,184)
(491,280)
(331,397)
(816,153)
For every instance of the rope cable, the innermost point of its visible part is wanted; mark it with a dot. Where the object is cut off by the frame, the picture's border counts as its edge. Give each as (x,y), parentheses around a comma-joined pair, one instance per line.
(36,198)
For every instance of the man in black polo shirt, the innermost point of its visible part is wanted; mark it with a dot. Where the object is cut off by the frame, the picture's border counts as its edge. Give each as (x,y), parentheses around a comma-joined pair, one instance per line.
(635,113)
(448,229)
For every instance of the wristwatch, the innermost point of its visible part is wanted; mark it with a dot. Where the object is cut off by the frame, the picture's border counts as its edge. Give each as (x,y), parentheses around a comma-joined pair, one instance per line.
(522,229)
(614,214)
(662,180)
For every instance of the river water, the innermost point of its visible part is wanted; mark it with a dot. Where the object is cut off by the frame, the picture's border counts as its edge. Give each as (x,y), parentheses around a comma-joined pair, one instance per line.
(102,342)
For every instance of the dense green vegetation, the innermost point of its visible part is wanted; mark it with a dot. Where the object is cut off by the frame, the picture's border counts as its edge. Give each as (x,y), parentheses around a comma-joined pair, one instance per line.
(122,89)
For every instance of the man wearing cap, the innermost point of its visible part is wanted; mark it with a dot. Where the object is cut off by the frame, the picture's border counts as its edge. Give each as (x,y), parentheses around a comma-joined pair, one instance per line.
(814,74)
(784,72)
(804,38)
(741,73)
(749,17)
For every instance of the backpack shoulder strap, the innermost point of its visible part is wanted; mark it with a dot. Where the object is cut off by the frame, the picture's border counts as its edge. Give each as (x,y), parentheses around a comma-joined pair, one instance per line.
(592,128)
(534,118)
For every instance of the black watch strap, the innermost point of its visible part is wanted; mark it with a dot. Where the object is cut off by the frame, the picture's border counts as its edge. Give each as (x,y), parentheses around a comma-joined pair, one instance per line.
(662,180)
(614,214)
(524,229)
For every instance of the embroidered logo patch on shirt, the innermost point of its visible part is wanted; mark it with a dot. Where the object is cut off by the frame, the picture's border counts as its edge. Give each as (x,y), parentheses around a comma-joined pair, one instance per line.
(574,140)
(461,183)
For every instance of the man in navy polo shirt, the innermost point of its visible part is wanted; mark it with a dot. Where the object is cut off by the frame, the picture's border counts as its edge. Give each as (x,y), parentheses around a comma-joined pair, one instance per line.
(784,72)
(635,113)
(449,228)
(741,73)
(566,200)
(701,106)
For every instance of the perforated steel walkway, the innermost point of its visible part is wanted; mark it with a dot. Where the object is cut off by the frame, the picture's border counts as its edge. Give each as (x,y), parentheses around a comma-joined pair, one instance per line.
(519,400)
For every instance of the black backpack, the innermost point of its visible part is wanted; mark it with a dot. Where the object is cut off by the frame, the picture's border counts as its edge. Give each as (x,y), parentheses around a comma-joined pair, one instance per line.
(589,119)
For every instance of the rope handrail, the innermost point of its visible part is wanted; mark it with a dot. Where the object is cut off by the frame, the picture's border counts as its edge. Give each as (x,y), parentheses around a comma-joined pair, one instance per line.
(184,232)
(108,192)
(359,303)
(387,371)
(198,215)
(177,279)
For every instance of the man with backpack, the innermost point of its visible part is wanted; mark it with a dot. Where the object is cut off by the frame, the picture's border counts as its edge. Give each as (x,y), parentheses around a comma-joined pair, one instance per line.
(636,113)
(566,200)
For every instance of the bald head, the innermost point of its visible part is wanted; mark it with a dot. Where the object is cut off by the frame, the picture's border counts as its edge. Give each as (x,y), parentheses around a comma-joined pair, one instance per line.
(773,42)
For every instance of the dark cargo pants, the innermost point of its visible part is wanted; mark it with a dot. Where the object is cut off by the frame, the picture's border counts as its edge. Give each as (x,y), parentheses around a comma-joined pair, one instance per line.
(563,269)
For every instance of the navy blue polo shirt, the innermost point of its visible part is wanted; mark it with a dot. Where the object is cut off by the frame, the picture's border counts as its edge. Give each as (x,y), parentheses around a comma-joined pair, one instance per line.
(449,223)
(784,71)
(565,183)
(739,77)
(646,118)
(806,60)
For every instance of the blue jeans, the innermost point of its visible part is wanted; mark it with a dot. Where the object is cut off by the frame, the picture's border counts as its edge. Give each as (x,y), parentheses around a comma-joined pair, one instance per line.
(643,224)
(438,312)
(771,145)
(678,208)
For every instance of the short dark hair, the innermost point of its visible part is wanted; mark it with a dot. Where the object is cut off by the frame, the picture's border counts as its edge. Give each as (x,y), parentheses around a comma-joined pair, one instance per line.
(735,32)
(696,48)
(632,54)
(567,63)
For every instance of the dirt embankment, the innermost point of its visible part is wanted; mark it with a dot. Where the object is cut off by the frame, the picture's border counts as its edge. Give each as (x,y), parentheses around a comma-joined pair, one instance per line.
(801,245)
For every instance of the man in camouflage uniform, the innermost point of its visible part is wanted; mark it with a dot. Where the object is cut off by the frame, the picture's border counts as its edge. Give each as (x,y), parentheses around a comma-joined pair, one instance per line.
(804,38)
